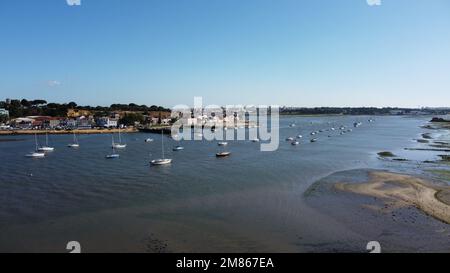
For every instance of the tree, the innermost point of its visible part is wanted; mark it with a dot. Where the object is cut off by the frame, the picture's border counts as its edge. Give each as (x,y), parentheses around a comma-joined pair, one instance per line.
(25,103)
(131,119)
(3,118)
(72,105)
(38,102)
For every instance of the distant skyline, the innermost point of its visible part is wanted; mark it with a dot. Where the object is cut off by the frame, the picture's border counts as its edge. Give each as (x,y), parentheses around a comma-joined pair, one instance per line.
(286,52)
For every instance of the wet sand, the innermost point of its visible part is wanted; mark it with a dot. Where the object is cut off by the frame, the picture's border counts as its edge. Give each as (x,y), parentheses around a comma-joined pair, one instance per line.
(405,190)
(404,213)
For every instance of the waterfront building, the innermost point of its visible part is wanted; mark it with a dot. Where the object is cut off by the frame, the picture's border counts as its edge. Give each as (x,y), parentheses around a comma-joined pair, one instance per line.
(107,122)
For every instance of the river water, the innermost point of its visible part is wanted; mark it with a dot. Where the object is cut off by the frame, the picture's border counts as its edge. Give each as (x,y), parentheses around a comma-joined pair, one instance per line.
(252,201)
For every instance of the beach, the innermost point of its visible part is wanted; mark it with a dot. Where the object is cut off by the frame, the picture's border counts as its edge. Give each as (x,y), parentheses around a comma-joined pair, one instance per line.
(404,190)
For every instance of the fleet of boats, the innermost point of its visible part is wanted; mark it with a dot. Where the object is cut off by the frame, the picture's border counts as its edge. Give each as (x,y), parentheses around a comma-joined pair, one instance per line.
(41,151)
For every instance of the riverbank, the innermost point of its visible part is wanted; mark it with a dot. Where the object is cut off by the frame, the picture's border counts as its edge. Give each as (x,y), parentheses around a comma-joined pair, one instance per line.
(65,132)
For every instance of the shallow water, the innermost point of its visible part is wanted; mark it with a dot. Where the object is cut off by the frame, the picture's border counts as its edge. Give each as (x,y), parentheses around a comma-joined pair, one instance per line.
(251,201)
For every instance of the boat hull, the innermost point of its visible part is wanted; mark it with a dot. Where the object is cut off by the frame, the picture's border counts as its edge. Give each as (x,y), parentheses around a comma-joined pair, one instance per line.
(223,154)
(160,162)
(35,155)
(46,149)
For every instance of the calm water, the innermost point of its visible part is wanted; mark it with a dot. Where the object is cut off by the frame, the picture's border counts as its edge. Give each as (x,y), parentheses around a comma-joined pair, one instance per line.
(251,201)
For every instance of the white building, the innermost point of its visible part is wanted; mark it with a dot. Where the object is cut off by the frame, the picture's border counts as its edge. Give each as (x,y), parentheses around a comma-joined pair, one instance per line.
(107,122)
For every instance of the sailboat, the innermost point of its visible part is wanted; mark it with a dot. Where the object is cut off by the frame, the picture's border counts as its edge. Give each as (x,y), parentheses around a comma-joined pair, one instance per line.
(75,143)
(114,154)
(36,153)
(46,148)
(163,160)
(223,153)
(119,145)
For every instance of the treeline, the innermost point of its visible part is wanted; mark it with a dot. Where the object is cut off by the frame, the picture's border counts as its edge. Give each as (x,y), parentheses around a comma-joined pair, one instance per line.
(341,111)
(39,107)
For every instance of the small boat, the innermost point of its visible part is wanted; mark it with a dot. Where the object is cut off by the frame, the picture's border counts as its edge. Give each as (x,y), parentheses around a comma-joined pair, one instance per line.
(299,136)
(75,143)
(158,162)
(35,155)
(119,145)
(149,140)
(114,155)
(357,124)
(162,160)
(333,129)
(223,154)
(289,139)
(292,125)
(222,143)
(256,140)
(314,140)
(313,133)
(295,143)
(178,148)
(46,148)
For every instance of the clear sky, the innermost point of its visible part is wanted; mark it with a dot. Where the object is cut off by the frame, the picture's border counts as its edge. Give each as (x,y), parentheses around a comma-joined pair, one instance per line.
(285,52)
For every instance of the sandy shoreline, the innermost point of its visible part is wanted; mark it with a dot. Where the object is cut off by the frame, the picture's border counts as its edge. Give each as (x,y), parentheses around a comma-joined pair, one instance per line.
(65,132)
(404,190)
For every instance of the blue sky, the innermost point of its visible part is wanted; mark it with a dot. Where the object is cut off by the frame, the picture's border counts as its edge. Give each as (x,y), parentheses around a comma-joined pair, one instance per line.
(285,52)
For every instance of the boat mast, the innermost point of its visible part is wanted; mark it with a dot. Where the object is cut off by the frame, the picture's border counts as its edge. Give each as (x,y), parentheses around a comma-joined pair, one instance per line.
(162,143)
(35,140)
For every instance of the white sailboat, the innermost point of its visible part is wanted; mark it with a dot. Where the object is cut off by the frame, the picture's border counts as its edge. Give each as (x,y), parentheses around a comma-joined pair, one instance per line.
(75,143)
(119,145)
(36,153)
(114,154)
(162,160)
(46,148)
